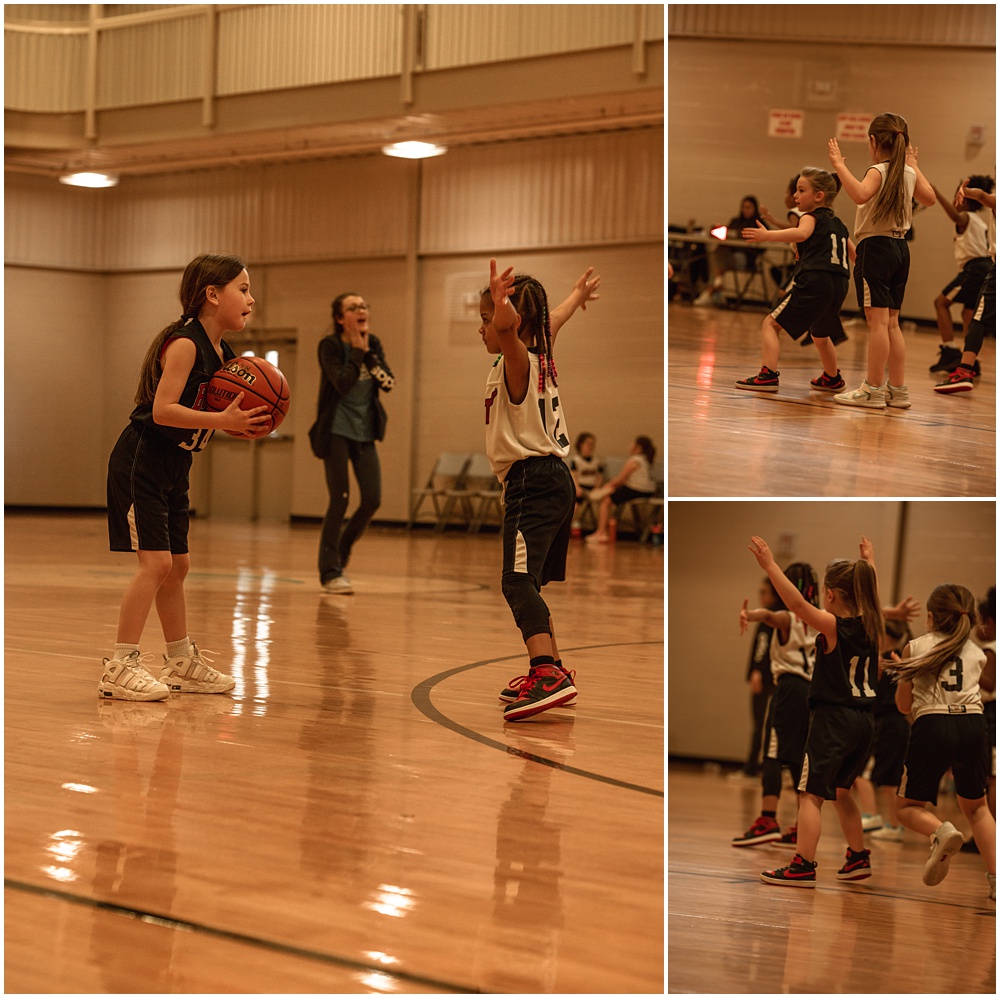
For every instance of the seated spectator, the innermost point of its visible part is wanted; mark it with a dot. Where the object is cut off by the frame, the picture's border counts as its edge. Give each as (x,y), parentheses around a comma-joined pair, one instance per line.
(634,481)
(727,257)
(587,472)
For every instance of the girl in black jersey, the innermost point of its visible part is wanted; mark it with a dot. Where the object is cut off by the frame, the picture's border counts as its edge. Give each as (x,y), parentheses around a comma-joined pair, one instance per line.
(148,478)
(819,287)
(841,695)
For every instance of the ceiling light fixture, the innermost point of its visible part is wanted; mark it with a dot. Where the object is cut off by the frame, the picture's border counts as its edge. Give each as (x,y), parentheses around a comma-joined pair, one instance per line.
(414,150)
(89,179)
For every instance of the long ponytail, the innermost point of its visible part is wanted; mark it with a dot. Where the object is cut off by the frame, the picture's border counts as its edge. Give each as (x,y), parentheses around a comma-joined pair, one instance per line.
(891,136)
(857,584)
(953,615)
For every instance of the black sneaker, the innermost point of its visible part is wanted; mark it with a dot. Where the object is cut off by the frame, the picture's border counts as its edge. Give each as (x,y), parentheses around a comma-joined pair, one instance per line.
(790,839)
(762,830)
(824,383)
(766,381)
(856,867)
(948,358)
(956,364)
(544,688)
(513,689)
(799,873)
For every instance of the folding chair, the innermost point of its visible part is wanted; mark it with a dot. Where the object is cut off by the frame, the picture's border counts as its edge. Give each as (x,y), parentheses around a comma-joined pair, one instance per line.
(447,473)
(460,501)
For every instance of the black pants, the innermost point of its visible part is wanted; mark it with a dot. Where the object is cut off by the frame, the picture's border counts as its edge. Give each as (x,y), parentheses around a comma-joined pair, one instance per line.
(337,539)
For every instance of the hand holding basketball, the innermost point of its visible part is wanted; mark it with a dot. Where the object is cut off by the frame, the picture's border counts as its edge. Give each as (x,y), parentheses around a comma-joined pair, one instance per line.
(253,392)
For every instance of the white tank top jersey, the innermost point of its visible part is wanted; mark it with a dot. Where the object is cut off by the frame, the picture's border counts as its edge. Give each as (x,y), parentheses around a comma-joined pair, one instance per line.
(641,477)
(956,689)
(535,428)
(974,242)
(797,655)
(863,224)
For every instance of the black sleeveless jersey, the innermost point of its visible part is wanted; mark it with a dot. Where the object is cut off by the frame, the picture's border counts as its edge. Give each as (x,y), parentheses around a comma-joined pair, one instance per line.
(847,676)
(826,248)
(206,363)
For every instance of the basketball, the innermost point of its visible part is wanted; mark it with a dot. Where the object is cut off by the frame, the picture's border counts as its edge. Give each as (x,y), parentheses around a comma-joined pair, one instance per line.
(261,383)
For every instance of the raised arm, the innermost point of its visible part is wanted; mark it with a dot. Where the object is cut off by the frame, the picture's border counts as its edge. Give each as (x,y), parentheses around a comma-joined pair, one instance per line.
(977,194)
(778,619)
(923,192)
(505,323)
(819,620)
(584,291)
(797,234)
(859,191)
(960,218)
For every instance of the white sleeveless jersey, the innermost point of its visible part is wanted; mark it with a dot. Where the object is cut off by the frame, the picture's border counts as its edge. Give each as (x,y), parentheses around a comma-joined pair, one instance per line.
(535,428)
(956,689)
(975,241)
(798,654)
(863,224)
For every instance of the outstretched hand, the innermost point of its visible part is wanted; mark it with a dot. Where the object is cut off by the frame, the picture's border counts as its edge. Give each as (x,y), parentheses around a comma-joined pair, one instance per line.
(867,550)
(755,235)
(744,618)
(759,549)
(585,288)
(911,156)
(504,313)
(836,156)
(907,609)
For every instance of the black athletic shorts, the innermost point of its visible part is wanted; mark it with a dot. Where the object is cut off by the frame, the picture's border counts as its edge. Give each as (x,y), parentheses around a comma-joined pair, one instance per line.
(813,305)
(837,749)
(538,502)
(880,272)
(965,288)
(939,742)
(892,734)
(788,723)
(148,492)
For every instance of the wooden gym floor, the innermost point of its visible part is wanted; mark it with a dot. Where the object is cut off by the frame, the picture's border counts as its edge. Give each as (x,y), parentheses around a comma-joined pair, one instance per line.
(725,441)
(730,933)
(356,817)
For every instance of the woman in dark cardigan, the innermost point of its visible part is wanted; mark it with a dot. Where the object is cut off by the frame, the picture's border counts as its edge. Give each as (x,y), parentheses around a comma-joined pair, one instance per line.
(350,419)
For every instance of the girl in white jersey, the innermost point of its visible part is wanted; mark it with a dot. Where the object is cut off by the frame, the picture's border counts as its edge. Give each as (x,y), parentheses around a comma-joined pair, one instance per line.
(884,198)
(526,441)
(939,685)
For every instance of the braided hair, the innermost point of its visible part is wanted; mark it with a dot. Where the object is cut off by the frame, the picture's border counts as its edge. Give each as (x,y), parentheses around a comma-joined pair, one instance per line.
(532,305)
(803,577)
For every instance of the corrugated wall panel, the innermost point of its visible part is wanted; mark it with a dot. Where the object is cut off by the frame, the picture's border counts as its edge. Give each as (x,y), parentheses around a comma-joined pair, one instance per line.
(465,34)
(48,224)
(334,209)
(60,88)
(170,54)
(273,46)
(886,24)
(68,13)
(605,188)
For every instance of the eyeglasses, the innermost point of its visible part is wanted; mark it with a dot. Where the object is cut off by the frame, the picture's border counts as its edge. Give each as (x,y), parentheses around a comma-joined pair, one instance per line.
(355,308)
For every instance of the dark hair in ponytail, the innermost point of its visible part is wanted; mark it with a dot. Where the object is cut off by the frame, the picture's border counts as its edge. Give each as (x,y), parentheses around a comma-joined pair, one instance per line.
(803,577)
(858,586)
(201,273)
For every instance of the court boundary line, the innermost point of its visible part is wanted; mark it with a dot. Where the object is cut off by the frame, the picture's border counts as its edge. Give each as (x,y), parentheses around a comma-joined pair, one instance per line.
(421,697)
(185,925)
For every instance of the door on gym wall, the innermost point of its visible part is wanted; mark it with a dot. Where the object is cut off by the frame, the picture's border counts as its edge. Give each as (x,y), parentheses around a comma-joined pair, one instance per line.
(250,479)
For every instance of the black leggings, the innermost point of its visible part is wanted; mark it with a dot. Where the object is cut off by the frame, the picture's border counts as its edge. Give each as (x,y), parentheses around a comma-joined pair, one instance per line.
(336,539)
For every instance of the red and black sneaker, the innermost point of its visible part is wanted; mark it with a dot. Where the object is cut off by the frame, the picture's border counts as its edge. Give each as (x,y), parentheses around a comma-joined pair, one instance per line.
(790,838)
(824,383)
(510,692)
(762,830)
(962,379)
(799,873)
(765,381)
(857,866)
(544,688)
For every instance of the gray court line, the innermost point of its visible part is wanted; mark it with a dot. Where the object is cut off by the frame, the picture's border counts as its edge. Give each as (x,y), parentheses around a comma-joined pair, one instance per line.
(239,937)
(421,697)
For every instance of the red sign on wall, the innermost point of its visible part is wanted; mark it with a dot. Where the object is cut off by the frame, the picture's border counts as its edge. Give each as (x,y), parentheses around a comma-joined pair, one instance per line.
(853,127)
(785,124)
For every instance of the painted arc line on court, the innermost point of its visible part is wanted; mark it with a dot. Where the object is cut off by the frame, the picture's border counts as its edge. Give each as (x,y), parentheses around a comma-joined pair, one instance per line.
(186,925)
(421,697)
